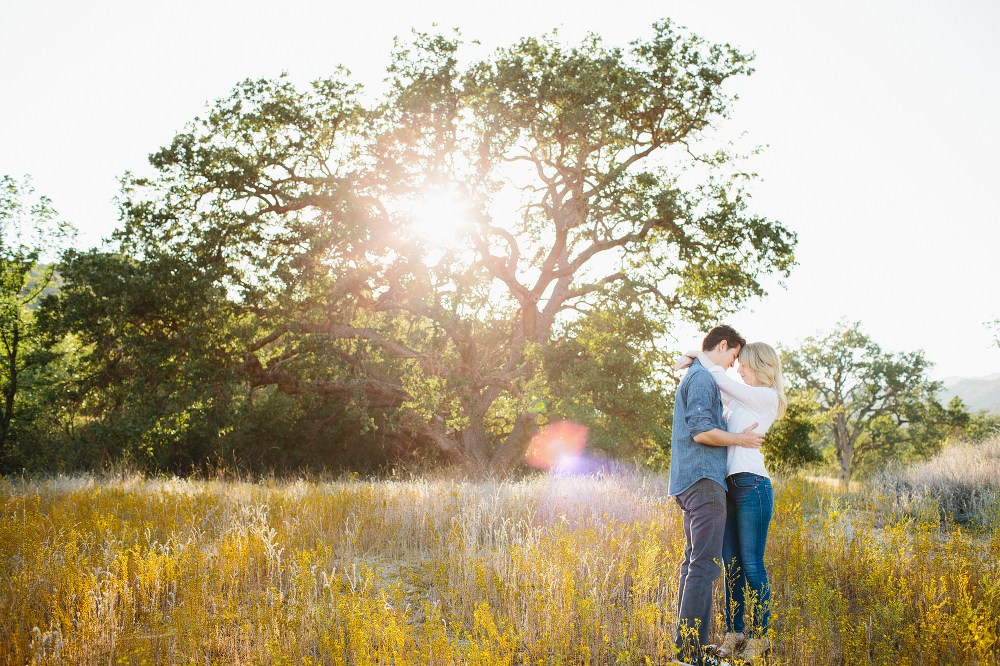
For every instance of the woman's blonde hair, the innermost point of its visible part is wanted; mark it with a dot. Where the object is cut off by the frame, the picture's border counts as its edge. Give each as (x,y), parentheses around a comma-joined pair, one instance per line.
(765,363)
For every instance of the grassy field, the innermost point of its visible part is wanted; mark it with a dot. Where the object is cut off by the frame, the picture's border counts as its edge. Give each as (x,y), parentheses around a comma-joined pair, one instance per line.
(545,570)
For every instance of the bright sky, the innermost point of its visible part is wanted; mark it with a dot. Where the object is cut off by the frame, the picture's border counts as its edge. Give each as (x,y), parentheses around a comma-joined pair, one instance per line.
(879,116)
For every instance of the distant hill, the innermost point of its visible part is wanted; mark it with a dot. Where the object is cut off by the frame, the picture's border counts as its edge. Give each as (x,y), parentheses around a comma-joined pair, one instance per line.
(977,393)
(951,381)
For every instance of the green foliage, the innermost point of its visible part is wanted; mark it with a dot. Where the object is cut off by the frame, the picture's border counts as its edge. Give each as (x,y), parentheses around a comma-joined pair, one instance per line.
(930,426)
(161,382)
(603,373)
(789,442)
(278,248)
(864,393)
(31,349)
(982,425)
(157,375)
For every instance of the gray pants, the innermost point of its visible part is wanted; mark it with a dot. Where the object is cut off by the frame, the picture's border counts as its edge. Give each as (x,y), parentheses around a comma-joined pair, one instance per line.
(704,507)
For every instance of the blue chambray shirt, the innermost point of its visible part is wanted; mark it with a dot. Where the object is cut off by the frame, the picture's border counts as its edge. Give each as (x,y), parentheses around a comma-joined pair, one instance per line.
(697,409)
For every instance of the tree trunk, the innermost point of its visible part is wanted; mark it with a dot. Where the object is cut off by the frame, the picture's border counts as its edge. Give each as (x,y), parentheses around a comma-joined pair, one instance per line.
(844,474)
(512,449)
(845,446)
(475,445)
(11,389)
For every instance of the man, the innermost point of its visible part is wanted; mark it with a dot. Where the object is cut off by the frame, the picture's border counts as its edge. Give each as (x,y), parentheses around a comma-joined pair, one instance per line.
(698,484)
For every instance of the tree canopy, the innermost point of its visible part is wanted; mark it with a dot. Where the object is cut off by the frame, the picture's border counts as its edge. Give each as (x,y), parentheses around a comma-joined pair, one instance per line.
(430,264)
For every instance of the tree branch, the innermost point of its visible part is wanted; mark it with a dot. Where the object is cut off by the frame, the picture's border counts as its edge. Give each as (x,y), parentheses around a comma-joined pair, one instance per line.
(350,332)
(267,340)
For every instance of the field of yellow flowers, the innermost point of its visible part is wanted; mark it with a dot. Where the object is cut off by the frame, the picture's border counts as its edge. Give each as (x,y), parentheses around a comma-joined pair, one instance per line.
(543,570)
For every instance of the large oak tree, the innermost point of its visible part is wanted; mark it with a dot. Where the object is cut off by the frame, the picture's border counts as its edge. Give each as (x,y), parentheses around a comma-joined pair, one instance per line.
(574,177)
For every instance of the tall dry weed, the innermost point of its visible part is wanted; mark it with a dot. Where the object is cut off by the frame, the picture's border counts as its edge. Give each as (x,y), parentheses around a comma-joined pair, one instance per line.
(548,570)
(960,485)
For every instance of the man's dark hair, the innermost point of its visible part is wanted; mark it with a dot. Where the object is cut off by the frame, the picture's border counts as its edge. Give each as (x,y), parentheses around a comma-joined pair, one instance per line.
(720,333)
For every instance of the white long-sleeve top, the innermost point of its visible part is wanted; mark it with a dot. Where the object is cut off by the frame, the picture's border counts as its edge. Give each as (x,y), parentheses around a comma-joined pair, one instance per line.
(744,406)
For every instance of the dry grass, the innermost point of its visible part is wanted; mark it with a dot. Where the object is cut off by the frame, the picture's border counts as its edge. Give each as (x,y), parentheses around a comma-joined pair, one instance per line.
(961,485)
(540,571)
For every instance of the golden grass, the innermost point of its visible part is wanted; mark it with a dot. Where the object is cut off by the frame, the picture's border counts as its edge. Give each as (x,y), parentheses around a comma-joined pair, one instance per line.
(539,571)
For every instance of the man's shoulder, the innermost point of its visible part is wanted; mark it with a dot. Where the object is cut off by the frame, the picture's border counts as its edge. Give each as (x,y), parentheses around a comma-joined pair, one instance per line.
(697,374)
(699,379)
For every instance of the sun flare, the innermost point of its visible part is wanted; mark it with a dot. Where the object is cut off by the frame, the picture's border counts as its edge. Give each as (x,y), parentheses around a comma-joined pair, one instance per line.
(440,217)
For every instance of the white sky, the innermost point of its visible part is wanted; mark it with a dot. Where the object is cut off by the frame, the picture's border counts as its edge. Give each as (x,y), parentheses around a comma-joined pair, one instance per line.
(880,117)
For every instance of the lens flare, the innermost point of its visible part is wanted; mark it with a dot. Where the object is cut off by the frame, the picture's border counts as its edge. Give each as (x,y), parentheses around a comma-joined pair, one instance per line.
(537,405)
(555,442)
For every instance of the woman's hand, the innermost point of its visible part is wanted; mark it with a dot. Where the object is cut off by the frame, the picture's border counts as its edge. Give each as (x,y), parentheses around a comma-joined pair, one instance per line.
(686,359)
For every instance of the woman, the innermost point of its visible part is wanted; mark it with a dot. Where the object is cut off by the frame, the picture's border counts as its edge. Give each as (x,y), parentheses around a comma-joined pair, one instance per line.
(749,496)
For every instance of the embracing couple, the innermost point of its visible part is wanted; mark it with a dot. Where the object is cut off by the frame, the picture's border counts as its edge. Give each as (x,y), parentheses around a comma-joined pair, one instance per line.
(718,478)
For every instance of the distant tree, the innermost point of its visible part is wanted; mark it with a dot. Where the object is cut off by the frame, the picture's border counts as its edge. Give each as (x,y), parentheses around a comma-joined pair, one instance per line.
(931,425)
(789,442)
(982,425)
(29,227)
(927,428)
(860,389)
(314,223)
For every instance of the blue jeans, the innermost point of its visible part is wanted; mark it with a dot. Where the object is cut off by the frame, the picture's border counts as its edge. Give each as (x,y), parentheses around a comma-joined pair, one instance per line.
(749,504)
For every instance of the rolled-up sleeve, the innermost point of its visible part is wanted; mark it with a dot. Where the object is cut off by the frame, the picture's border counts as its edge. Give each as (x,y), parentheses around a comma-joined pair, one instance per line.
(702,393)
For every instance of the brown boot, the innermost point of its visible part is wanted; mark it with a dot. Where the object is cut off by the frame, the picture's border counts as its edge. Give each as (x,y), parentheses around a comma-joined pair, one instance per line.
(729,644)
(755,649)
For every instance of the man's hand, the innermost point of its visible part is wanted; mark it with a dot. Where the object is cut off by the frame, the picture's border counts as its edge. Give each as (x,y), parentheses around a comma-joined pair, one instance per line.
(716,437)
(749,439)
